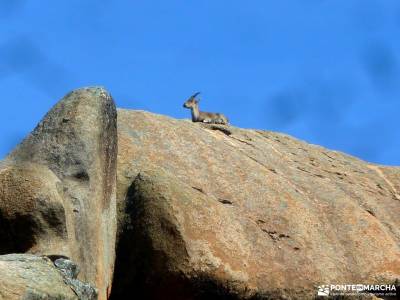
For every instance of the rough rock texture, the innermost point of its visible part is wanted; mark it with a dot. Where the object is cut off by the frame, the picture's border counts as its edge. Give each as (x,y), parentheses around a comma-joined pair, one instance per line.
(57,188)
(30,277)
(70,272)
(32,215)
(204,211)
(217,212)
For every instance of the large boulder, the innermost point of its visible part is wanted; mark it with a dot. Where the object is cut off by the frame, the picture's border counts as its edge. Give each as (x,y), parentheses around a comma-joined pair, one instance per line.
(57,188)
(217,212)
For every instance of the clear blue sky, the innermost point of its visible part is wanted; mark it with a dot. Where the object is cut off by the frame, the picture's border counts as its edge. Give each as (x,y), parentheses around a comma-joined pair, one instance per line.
(327,72)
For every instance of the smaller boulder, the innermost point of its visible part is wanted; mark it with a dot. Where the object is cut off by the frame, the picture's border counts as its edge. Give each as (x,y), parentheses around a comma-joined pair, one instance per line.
(28,277)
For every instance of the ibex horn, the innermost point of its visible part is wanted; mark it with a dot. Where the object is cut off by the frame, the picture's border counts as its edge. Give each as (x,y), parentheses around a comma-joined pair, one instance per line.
(195,95)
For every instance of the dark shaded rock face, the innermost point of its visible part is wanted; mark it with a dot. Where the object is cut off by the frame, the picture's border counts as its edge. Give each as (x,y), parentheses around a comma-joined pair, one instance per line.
(32,215)
(57,188)
(216,212)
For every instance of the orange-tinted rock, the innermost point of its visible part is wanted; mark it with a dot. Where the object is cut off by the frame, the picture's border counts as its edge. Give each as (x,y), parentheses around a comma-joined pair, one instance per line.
(211,211)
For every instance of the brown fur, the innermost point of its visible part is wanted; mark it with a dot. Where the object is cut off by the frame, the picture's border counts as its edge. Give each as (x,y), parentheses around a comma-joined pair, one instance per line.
(200,116)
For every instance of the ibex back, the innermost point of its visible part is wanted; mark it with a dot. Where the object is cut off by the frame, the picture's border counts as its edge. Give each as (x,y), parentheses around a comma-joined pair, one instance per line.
(200,116)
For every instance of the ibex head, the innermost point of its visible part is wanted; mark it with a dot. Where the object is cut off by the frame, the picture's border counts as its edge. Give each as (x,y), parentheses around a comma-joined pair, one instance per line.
(192,101)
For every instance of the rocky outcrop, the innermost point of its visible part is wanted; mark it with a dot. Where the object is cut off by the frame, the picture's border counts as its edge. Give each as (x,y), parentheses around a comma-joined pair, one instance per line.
(30,277)
(57,188)
(217,212)
(204,211)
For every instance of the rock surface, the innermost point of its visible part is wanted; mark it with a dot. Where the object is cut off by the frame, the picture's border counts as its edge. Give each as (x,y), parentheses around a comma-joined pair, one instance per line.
(70,272)
(217,212)
(57,188)
(204,211)
(30,277)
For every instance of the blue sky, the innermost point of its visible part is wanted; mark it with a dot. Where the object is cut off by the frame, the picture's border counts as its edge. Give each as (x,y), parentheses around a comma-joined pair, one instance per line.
(323,71)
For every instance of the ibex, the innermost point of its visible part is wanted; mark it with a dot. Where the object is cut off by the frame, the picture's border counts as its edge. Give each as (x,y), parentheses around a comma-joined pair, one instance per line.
(201,116)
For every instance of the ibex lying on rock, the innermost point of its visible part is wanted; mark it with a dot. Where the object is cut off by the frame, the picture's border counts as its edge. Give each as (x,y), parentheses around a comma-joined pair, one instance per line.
(201,116)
